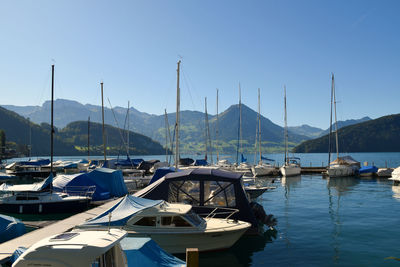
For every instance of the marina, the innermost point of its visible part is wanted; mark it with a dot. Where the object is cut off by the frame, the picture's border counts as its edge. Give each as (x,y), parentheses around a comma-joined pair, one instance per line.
(327,204)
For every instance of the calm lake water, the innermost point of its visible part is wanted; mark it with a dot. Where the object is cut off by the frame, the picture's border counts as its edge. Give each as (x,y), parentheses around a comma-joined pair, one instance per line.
(323,222)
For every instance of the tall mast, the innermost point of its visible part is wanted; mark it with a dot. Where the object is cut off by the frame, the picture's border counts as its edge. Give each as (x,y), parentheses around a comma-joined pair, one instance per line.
(30,138)
(127,132)
(330,125)
(217,130)
(166,135)
(240,121)
(336,128)
(259,124)
(205,125)
(286,132)
(102,117)
(52,122)
(178,96)
(88,139)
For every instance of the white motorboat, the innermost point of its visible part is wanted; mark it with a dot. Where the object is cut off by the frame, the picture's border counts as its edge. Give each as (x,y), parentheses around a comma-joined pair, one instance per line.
(395,176)
(173,226)
(38,198)
(77,248)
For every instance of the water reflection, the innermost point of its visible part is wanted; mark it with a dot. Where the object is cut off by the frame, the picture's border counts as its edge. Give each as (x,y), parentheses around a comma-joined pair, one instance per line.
(396,192)
(241,253)
(342,185)
(291,181)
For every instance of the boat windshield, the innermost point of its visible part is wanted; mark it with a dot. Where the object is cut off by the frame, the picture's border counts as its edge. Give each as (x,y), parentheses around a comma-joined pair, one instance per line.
(193,218)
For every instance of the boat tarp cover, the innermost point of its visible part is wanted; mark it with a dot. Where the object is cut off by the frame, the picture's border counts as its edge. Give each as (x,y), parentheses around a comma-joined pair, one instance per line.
(122,211)
(10,228)
(200,162)
(160,189)
(37,162)
(143,251)
(161,172)
(346,160)
(368,169)
(108,182)
(45,184)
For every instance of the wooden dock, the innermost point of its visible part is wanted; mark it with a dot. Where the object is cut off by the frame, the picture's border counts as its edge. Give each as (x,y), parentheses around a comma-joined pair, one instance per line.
(311,170)
(27,240)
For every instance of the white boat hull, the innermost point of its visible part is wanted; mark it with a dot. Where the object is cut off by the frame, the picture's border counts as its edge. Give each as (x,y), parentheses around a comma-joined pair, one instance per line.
(262,170)
(176,243)
(340,171)
(290,170)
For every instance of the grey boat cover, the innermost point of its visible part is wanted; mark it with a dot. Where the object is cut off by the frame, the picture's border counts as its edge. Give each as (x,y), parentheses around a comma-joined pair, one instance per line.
(346,160)
(122,211)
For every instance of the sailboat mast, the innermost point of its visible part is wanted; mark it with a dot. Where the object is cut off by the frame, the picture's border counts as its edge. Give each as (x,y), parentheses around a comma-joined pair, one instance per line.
(217,130)
(30,138)
(285,131)
(336,126)
(127,132)
(102,117)
(88,139)
(259,124)
(52,120)
(177,116)
(240,121)
(166,134)
(330,125)
(205,124)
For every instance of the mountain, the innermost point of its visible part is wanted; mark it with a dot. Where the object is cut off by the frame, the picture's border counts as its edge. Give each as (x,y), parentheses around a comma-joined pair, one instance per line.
(192,124)
(345,123)
(306,130)
(72,140)
(379,135)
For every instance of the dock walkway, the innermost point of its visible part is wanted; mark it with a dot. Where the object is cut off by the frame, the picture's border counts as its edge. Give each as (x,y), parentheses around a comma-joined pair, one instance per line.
(27,240)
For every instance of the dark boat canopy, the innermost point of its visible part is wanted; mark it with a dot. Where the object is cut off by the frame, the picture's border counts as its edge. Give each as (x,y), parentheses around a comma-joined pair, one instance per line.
(205,189)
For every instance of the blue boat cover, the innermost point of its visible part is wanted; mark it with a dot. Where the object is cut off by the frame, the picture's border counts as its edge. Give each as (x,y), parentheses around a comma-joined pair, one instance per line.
(243,159)
(264,158)
(200,162)
(113,163)
(18,252)
(161,172)
(109,183)
(37,162)
(122,211)
(368,169)
(142,251)
(10,228)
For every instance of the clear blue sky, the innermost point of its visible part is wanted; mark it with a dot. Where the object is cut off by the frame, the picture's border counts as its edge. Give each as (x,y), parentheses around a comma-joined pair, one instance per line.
(133,46)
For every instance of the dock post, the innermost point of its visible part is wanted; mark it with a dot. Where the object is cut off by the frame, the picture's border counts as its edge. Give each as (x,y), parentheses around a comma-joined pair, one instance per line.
(192,257)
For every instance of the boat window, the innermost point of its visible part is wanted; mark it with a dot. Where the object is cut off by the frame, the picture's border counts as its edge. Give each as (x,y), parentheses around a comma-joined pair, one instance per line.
(176,221)
(26,198)
(187,192)
(146,221)
(219,194)
(194,218)
(105,260)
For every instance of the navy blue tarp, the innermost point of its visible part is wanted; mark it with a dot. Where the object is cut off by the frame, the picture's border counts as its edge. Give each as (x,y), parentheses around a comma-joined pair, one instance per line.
(10,228)
(161,172)
(109,183)
(200,162)
(367,169)
(142,251)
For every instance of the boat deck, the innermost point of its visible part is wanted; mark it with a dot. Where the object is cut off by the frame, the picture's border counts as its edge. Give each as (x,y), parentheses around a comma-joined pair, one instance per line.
(8,248)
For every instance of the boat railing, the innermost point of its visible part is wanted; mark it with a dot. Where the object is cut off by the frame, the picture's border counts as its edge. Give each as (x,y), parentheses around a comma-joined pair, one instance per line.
(229,212)
(84,191)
